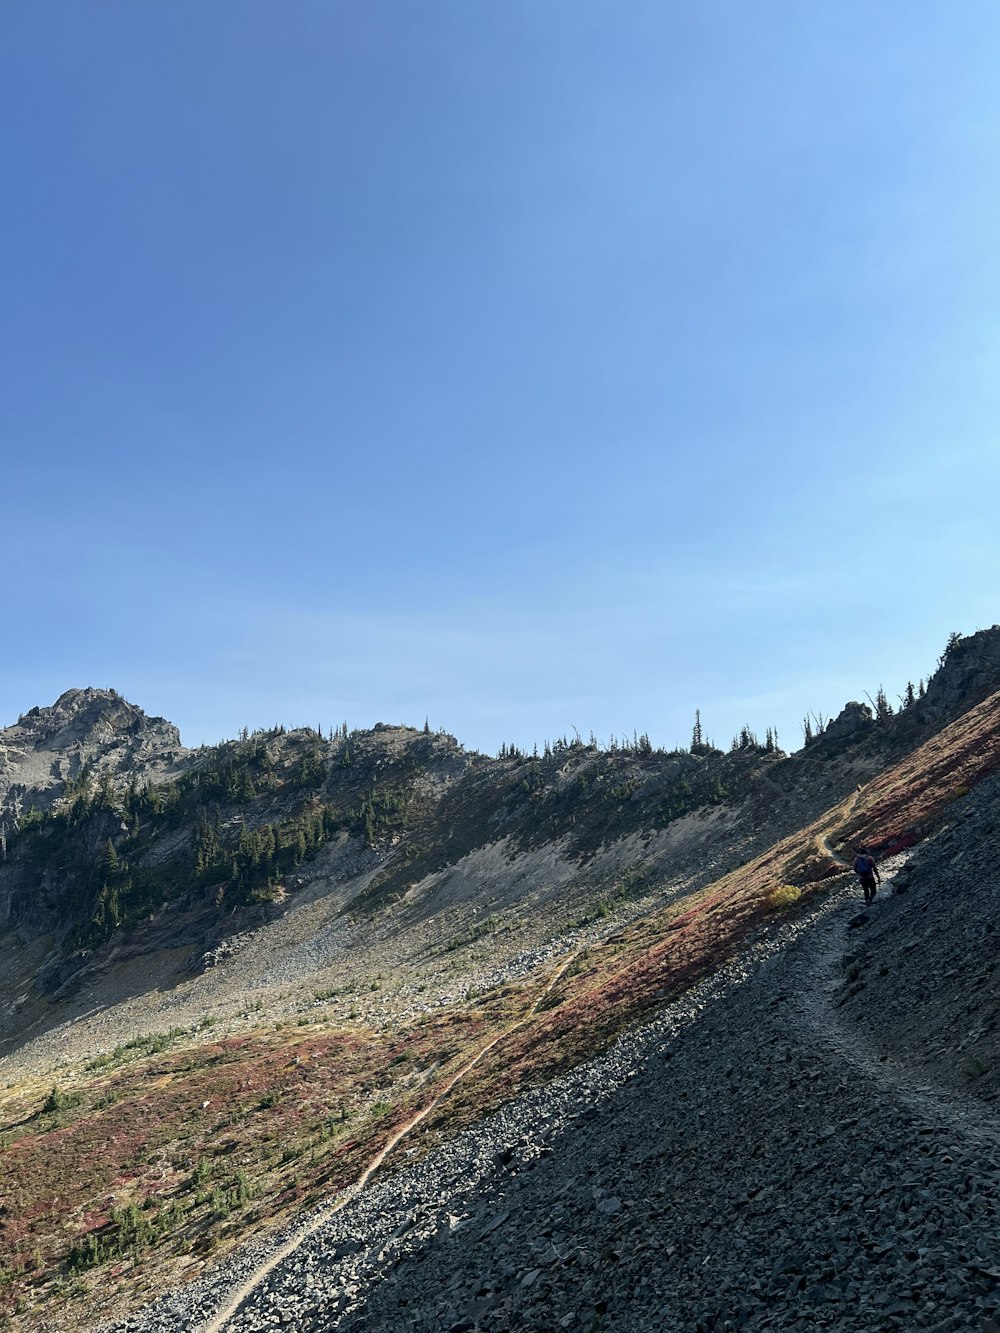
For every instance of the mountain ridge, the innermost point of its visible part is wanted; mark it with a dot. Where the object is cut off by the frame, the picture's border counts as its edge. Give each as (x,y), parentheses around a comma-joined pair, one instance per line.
(351,919)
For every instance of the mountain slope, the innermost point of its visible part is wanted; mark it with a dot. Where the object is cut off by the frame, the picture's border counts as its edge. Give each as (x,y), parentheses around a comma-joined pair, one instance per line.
(316,934)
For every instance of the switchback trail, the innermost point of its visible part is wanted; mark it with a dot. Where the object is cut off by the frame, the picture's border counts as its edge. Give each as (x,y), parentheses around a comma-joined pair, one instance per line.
(232,1304)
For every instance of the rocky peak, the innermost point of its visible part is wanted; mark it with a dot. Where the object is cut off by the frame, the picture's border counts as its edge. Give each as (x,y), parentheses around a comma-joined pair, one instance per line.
(89,716)
(84,728)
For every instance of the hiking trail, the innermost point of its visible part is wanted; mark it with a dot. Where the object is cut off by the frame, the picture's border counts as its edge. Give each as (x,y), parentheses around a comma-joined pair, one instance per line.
(232,1304)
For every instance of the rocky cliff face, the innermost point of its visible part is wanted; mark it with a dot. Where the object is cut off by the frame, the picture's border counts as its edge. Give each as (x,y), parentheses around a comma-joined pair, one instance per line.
(969,671)
(90,729)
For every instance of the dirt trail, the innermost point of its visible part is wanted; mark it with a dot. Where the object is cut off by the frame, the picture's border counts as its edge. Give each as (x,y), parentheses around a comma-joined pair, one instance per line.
(821,1019)
(822,839)
(820,1015)
(318,1220)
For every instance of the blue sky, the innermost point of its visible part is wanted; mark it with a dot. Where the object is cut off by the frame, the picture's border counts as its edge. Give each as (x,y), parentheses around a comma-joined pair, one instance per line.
(525,366)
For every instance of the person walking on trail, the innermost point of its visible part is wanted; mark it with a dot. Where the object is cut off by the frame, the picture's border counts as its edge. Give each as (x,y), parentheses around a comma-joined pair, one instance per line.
(867,871)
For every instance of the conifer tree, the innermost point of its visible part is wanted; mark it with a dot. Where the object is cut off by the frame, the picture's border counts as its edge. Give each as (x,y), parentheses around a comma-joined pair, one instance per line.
(883,708)
(696,737)
(109,862)
(950,646)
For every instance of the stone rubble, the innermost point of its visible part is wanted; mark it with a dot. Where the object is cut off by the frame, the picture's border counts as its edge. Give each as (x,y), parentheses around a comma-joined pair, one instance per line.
(772,1153)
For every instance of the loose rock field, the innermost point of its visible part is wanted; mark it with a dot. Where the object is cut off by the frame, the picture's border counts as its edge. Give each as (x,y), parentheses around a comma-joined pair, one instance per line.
(773,1153)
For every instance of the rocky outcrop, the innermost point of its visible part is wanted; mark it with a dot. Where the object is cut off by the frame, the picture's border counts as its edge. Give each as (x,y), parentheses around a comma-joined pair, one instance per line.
(90,729)
(969,671)
(853,720)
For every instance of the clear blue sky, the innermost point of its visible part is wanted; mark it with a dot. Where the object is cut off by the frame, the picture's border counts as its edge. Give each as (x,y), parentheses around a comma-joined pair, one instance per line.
(523,365)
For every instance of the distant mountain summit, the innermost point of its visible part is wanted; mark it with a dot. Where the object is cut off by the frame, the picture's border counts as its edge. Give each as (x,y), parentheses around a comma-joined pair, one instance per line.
(90,730)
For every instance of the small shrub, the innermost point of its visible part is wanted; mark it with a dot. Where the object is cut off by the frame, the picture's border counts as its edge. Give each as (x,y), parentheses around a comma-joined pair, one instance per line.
(783,899)
(202,1170)
(57,1101)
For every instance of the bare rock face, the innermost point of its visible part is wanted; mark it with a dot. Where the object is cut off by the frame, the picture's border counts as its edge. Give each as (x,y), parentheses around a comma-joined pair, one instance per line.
(852,719)
(89,728)
(968,673)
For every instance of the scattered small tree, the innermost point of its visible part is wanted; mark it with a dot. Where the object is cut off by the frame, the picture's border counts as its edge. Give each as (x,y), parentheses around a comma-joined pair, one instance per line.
(953,641)
(883,708)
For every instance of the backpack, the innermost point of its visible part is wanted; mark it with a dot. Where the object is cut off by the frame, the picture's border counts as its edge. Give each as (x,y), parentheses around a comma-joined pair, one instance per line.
(862,865)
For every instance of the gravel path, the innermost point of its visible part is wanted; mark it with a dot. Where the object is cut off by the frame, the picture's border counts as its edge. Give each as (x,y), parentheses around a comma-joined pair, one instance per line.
(748,1161)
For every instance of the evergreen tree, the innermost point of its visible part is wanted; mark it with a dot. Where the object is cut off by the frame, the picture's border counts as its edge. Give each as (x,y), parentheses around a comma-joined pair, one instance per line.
(953,640)
(807,731)
(109,863)
(696,736)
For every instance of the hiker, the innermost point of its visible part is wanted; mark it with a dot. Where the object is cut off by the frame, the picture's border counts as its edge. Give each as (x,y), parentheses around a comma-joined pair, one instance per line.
(867,871)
